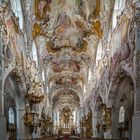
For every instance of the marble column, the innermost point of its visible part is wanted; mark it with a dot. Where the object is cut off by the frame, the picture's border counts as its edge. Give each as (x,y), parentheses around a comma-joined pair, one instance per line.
(3,133)
(136,117)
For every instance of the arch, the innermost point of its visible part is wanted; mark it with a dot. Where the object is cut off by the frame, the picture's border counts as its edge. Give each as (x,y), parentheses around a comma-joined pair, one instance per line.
(116,80)
(60,107)
(10,69)
(98,113)
(14,81)
(10,107)
(121,100)
(9,87)
(97,99)
(57,90)
(66,97)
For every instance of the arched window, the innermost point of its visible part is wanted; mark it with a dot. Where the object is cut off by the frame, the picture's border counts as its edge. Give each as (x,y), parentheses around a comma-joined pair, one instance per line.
(118,8)
(84,88)
(16,7)
(43,75)
(121,114)
(34,53)
(11,116)
(47,89)
(99,51)
(74,116)
(89,75)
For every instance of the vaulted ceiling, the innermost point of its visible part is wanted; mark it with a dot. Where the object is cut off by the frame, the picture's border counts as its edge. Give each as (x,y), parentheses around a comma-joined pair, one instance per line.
(66,33)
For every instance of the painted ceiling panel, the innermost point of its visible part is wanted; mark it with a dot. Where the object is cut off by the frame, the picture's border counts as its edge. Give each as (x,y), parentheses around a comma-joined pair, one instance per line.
(66,33)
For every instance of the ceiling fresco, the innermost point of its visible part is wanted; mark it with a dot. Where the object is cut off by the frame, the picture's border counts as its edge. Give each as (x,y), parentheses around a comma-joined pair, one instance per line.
(70,65)
(67,80)
(66,33)
(66,98)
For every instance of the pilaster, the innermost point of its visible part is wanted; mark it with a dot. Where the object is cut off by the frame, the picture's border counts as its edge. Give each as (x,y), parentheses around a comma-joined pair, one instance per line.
(20,124)
(94,123)
(3,134)
(136,117)
(20,111)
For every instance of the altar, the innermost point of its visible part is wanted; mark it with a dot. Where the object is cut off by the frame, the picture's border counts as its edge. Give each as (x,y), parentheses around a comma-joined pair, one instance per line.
(66,121)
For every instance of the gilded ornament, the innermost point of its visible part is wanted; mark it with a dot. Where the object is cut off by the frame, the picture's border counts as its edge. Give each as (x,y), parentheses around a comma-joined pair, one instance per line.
(41,9)
(96,28)
(96,12)
(82,47)
(36,30)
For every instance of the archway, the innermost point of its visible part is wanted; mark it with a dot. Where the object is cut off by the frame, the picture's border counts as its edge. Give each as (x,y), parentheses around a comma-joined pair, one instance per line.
(99,111)
(123,108)
(10,108)
(65,106)
(14,107)
(88,123)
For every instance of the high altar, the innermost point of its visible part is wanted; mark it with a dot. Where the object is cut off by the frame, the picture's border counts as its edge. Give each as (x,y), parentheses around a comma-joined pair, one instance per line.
(66,120)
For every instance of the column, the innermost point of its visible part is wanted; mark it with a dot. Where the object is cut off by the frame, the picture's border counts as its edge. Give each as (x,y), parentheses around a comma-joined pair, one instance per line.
(115,121)
(58,118)
(3,133)
(20,110)
(100,134)
(20,124)
(77,121)
(94,123)
(50,112)
(136,117)
(54,120)
(108,134)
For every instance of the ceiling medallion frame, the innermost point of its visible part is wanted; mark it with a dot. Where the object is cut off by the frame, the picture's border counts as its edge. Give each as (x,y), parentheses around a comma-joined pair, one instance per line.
(82,47)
